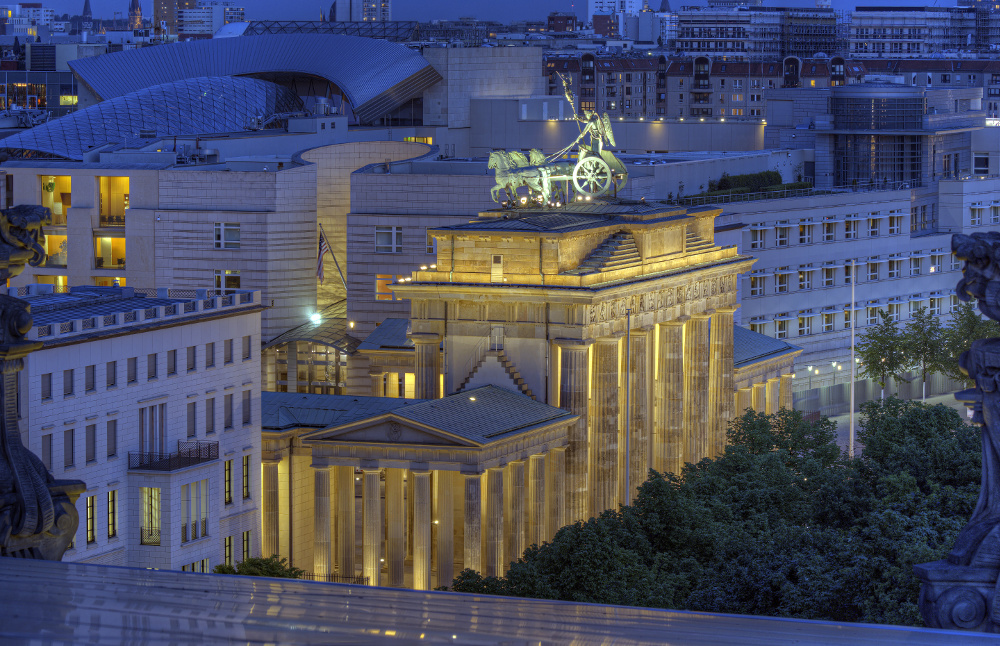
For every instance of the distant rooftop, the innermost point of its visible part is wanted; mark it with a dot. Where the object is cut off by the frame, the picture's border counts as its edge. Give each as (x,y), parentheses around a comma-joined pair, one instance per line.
(280,411)
(751,347)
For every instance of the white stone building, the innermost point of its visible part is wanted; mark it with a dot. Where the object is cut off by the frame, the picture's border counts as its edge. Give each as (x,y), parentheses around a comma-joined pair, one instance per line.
(154,402)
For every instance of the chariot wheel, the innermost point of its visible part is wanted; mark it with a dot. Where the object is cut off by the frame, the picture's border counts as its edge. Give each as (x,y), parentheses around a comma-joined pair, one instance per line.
(592,176)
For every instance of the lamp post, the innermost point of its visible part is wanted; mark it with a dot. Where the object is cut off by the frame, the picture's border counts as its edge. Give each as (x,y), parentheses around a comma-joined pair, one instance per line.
(854,361)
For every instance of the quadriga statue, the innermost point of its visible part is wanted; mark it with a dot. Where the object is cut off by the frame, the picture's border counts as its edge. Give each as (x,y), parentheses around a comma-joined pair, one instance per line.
(37,514)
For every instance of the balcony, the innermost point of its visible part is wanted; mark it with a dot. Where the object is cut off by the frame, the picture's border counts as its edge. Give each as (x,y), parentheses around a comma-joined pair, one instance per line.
(188,454)
(149,535)
(113,221)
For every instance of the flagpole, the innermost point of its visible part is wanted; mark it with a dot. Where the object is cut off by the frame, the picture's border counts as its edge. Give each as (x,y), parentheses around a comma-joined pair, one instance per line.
(854,324)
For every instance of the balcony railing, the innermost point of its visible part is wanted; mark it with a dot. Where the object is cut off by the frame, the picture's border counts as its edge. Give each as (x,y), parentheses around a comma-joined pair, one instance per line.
(188,454)
(112,220)
(336,578)
(149,535)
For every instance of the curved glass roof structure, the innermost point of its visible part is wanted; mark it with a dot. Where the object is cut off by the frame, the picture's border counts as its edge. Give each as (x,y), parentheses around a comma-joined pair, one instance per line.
(376,76)
(188,107)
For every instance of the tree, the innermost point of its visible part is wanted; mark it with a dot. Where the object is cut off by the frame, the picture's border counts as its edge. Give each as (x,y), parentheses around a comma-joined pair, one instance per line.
(922,341)
(966,326)
(273,566)
(881,349)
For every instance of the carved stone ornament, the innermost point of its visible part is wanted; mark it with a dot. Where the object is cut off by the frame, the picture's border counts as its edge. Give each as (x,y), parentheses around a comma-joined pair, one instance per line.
(394,431)
(37,514)
(960,591)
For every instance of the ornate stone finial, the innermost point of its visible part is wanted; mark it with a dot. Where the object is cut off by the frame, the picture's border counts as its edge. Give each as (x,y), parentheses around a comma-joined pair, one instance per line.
(37,514)
(956,592)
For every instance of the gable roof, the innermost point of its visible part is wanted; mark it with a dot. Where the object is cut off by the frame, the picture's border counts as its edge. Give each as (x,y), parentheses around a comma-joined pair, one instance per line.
(281,411)
(750,347)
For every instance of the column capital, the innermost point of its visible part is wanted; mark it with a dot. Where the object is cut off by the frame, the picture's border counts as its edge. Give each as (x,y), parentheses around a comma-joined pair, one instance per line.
(321,466)
(680,320)
(614,337)
(727,309)
(369,465)
(373,372)
(424,338)
(703,315)
(573,344)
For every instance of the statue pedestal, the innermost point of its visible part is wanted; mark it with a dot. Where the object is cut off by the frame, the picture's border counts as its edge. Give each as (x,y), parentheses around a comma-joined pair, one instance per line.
(958,597)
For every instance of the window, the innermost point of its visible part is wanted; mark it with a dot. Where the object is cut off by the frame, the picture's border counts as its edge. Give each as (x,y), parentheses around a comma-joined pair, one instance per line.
(90,378)
(872,315)
(828,322)
(805,278)
(47,451)
(246,407)
(210,415)
(246,544)
(781,281)
(956,264)
(227,280)
(227,351)
(805,234)
(848,274)
(383,291)
(91,442)
(976,214)
(757,327)
(133,370)
(893,312)
(112,513)
(851,230)
(756,286)
(829,276)
(210,355)
(68,383)
(936,261)
(47,385)
(91,521)
(756,239)
(150,367)
(873,271)
(388,239)
(805,325)
(953,303)
(995,213)
(111,376)
(915,266)
(247,346)
(895,224)
(980,164)
(192,358)
(227,235)
(149,533)
(873,226)
(228,482)
(192,412)
(194,510)
(847,317)
(935,308)
(431,243)
(227,549)
(68,446)
(112,437)
(246,477)
(227,412)
(829,232)
(781,236)
(781,329)
(171,362)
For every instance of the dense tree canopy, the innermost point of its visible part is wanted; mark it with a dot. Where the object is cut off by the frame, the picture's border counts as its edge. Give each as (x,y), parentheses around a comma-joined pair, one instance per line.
(274,565)
(782,524)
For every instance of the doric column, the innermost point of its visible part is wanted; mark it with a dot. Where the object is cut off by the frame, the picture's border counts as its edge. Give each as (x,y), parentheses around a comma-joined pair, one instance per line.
(269,504)
(785,392)
(720,380)
(371,526)
(378,382)
(771,404)
(493,510)
(345,520)
(421,529)
(444,522)
(473,547)
(555,503)
(638,460)
(321,521)
(574,397)
(537,525)
(428,364)
(392,384)
(409,514)
(744,400)
(395,544)
(668,439)
(604,425)
(760,397)
(696,369)
(514,511)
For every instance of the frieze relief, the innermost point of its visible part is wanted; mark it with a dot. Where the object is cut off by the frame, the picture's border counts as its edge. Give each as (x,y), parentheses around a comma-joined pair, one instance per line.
(614,309)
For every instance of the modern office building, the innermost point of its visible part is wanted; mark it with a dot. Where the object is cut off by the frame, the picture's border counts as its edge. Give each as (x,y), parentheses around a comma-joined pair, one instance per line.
(153,400)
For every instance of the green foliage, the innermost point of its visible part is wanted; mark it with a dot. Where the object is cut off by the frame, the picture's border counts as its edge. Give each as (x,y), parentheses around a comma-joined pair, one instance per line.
(966,326)
(273,566)
(782,524)
(882,350)
(754,181)
(923,346)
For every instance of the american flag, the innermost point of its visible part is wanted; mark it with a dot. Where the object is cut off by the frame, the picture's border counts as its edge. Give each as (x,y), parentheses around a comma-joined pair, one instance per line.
(324,249)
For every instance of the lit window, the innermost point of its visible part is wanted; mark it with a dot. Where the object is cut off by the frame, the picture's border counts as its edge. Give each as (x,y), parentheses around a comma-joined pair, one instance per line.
(227,280)
(382,289)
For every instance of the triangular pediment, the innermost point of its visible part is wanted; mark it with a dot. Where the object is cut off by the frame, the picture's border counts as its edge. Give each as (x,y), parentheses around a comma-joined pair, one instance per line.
(390,429)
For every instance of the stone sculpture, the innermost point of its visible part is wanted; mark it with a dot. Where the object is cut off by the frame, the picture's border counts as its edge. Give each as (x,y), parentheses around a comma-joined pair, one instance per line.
(595,171)
(37,514)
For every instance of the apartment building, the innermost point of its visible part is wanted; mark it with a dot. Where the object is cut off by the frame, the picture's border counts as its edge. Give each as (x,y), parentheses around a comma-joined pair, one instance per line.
(153,400)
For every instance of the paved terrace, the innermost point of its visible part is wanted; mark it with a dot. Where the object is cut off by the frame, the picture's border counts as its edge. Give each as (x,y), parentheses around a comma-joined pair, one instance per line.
(71,603)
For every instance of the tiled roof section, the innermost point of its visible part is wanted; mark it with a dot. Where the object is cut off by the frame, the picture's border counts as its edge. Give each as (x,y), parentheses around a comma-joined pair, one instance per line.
(280,411)
(751,347)
(58,308)
(483,414)
(389,335)
(332,330)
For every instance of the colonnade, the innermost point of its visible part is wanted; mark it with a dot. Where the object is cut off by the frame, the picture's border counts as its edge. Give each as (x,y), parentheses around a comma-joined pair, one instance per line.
(766,397)
(419,517)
